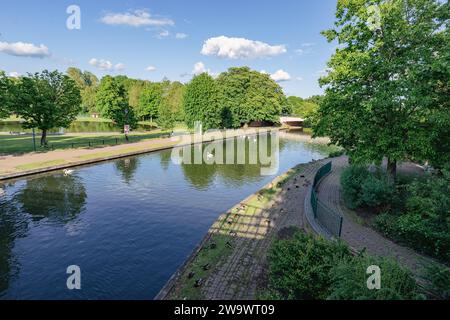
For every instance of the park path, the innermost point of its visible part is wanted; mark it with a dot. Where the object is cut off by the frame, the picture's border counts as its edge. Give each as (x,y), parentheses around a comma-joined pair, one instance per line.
(241,274)
(354,232)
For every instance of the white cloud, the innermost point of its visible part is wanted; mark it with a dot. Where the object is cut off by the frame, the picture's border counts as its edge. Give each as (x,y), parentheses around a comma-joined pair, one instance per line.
(163,34)
(299,51)
(137,18)
(22,49)
(106,65)
(240,48)
(199,68)
(13,74)
(181,36)
(308,44)
(299,78)
(119,67)
(150,68)
(280,75)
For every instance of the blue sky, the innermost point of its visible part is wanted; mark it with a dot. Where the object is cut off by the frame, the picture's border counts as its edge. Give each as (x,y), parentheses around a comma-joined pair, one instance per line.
(172,36)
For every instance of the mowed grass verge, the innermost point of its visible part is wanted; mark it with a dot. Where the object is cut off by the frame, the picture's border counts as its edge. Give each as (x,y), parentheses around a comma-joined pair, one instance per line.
(10,144)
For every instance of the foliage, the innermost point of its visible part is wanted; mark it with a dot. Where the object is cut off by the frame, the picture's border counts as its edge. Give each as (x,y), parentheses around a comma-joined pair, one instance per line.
(149,101)
(302,107)
(424,223)
(112,102)
(304,267)
(201,102)
(46,100)
(349,280)
(247,95)
(87,83)
(363,188)
(386,81)
(437,279)
(171,108)
(5,91)
(299,267)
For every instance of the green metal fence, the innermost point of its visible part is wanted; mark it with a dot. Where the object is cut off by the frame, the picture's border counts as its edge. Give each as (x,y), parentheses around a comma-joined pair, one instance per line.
(329,219)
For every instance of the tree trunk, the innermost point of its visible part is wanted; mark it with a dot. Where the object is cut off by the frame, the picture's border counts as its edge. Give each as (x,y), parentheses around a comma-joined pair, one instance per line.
(392,168)
(44,138)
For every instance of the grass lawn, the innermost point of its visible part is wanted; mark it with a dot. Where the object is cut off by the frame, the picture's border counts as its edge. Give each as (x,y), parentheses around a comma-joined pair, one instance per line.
(21,144)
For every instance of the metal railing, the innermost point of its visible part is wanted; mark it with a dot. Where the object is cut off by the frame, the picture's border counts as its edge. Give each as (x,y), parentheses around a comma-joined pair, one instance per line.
(329,219)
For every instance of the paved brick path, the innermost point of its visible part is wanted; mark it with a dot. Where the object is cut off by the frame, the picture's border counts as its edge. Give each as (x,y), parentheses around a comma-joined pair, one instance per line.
(238,276)
(354,233)
(250,229)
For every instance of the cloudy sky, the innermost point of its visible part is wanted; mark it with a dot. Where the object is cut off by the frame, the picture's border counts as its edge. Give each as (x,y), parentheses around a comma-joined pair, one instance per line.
(172,38)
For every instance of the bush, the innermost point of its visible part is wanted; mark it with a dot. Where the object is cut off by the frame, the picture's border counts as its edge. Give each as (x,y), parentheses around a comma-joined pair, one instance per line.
(438,281)
(424,223)
(349,280)
(377,191)
(351,181)
(299,267)
(363,188)
(304,267)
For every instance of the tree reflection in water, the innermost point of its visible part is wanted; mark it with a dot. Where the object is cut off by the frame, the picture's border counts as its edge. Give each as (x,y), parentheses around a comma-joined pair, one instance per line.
(57,198)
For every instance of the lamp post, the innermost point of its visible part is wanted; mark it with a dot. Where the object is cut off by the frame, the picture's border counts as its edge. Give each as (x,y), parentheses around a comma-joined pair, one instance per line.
(126,128)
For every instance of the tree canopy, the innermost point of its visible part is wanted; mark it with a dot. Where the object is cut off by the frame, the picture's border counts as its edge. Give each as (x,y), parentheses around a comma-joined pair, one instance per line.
(246,95)
(5,90)
(46,100)
(112,102)
(387,80)
(149,101)
(87,83)
(201,102)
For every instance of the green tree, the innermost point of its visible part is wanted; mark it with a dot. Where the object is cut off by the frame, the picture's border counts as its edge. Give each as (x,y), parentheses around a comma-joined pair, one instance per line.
(149,101)
(387,79)
(201,102)
(247,95)
(112,102)
(87,83)
(171,107)
(47,100)
(5,91)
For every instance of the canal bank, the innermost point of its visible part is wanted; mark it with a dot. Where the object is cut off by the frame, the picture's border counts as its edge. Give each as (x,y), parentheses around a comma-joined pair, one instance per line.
(230,261)
(12,167)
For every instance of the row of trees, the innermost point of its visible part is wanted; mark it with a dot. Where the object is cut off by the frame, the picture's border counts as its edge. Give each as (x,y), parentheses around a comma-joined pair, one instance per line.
(387,91)
(52,99)
(235,98)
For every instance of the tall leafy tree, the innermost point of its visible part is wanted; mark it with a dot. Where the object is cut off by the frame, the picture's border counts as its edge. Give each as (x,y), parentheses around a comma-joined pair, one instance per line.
(87,83)
(112,102)
(247,95)
(149,101)
(201,102)
(5,95)
(387,79)
(47,100)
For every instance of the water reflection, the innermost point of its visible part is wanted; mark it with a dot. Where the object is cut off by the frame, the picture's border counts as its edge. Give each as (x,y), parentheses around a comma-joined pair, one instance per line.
(56,197)
(127,168)
(128,223)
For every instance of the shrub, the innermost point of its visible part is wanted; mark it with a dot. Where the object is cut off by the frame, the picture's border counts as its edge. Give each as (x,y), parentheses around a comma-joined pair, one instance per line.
(363,188)
(299,267)
(424,223)
(438,281)
(376,191)
(351,181)
(349,280)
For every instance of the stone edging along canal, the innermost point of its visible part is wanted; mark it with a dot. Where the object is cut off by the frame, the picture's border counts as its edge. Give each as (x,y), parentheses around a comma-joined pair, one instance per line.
(207,137)
(180,285)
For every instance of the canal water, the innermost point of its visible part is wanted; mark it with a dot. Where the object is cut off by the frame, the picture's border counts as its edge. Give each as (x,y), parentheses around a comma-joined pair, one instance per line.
(128,224)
